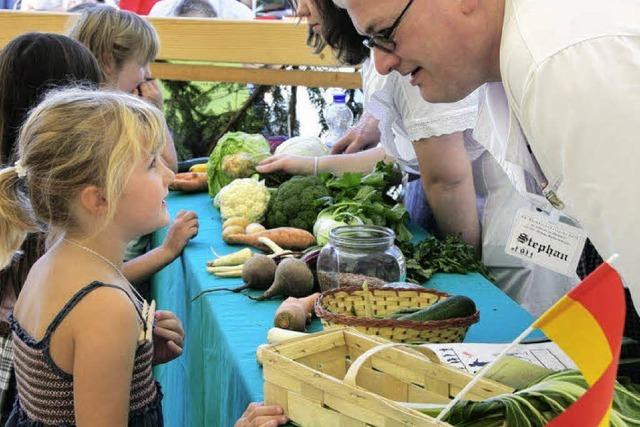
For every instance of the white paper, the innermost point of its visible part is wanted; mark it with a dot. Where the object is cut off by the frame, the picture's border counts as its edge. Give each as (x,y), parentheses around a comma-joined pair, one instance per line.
(550,244)
(472,357)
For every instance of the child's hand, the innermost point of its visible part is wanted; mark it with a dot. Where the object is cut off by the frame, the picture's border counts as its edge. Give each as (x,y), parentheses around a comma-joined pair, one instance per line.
(181,231)
(168,337)
(150,90)
(258,415)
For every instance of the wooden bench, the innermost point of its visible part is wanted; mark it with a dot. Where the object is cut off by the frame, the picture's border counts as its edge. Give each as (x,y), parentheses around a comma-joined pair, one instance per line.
(260,52)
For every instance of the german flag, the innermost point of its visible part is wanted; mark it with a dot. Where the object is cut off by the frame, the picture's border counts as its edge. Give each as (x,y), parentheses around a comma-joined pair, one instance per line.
(587,324)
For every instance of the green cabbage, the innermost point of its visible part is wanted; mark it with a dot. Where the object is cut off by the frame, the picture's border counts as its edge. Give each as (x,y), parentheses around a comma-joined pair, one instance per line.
(231,143)
(331,218)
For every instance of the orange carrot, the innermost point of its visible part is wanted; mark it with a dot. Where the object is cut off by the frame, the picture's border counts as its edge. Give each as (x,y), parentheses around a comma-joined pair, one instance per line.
(190,182)
(285,237)
(294,313)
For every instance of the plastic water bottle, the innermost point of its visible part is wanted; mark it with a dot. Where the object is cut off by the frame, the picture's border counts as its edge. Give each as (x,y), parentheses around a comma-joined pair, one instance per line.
(339,119)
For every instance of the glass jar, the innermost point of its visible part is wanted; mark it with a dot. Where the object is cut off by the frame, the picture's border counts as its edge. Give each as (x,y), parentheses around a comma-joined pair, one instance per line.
(360,249)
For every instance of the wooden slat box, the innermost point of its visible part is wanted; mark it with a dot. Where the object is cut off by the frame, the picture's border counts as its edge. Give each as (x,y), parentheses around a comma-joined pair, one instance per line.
(310,378)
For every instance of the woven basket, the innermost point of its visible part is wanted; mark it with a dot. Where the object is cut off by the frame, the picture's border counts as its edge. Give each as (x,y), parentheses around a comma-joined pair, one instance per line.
(346,307)
(344,378)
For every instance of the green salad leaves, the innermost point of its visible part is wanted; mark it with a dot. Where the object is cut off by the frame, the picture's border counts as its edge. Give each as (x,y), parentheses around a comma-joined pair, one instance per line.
(235,156)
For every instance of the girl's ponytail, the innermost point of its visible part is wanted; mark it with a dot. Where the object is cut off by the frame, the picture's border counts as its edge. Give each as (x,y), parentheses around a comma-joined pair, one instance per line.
(16,218)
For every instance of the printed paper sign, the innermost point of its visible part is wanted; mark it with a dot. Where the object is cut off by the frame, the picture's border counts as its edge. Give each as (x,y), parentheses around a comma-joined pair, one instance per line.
(552,245)
(472,357)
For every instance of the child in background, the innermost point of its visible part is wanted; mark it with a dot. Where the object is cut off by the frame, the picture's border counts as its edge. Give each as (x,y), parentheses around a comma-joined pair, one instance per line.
(124,44)
(224,9)
(88,168)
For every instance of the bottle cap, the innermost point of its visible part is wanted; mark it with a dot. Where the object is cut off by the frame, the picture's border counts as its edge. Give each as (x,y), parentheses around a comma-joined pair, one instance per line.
(339,98)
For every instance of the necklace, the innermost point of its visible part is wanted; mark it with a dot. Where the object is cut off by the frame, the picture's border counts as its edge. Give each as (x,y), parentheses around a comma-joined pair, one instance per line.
(106,260)
(148,311)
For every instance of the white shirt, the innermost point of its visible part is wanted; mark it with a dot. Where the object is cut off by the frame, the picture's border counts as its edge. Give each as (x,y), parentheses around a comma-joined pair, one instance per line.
(571,74)
(405,117)
(225,9)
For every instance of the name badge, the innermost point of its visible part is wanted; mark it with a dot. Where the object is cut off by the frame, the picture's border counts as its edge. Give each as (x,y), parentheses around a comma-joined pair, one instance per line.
(553,245)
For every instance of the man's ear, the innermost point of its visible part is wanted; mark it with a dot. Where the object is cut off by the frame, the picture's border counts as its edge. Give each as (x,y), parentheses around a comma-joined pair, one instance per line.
(468,6)
(93,201)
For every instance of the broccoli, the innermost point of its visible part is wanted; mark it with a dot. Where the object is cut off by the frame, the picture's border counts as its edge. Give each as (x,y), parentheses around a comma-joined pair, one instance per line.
(297,203)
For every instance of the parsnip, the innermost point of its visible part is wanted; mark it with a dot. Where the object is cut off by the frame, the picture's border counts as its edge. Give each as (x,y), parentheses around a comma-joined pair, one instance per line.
(235,258)
(231,230)
(254,228)
(226,271)
(223,268)
(278,335)
(235,220)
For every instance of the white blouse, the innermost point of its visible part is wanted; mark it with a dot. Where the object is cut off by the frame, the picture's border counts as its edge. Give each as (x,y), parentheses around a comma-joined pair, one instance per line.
(405,117)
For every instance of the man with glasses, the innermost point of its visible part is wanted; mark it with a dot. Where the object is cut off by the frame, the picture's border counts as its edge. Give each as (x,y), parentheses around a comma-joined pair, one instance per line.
(568,108)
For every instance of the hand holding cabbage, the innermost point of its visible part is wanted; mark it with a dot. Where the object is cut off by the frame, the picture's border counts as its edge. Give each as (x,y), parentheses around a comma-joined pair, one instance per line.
(235,156)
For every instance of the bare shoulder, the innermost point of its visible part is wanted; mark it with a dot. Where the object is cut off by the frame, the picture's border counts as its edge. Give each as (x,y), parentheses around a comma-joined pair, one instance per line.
(52,283)
(105,313)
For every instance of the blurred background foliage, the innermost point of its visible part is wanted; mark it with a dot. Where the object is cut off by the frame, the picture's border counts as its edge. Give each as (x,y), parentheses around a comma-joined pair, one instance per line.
(199,113)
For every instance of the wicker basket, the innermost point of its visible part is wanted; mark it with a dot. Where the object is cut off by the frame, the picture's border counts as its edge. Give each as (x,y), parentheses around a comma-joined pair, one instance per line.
(346,307)
(343,378)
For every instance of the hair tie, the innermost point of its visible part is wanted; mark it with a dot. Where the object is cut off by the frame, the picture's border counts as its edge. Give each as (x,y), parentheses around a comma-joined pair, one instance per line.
(20,170)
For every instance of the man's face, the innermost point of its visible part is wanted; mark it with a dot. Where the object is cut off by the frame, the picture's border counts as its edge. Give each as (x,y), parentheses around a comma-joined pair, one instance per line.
(431,44)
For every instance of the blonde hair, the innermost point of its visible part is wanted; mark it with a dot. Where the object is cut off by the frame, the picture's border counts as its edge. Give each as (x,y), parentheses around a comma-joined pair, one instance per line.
(74,138)
(115,36)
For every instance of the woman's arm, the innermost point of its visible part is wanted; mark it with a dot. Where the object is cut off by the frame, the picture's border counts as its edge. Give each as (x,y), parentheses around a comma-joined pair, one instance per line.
(362,161)
(447,180)
(169,154)
(150,90)
(363,136)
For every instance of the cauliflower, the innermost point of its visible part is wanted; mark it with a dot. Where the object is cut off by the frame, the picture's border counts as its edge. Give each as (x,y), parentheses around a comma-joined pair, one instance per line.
(245,197)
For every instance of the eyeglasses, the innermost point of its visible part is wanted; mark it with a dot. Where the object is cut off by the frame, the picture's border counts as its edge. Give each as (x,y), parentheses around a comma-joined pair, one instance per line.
(384,39)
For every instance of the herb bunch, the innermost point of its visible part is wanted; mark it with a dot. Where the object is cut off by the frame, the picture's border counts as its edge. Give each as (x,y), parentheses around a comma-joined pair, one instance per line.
(451,255)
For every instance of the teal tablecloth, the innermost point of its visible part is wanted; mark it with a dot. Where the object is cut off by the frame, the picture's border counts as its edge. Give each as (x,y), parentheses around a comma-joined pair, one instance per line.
(217,375)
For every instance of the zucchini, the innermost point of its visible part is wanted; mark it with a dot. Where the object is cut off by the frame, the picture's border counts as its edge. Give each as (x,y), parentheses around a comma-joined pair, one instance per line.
(452,307)
(402,312)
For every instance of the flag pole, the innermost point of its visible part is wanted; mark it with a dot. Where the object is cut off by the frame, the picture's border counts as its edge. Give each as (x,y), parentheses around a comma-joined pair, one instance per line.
(503,353)
(484,371)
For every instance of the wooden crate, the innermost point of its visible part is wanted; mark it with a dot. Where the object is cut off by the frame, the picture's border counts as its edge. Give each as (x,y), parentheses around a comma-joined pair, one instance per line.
(320,380)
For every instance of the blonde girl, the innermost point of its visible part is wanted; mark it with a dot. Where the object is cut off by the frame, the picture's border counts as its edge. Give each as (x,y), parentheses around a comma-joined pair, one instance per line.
(89,172)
